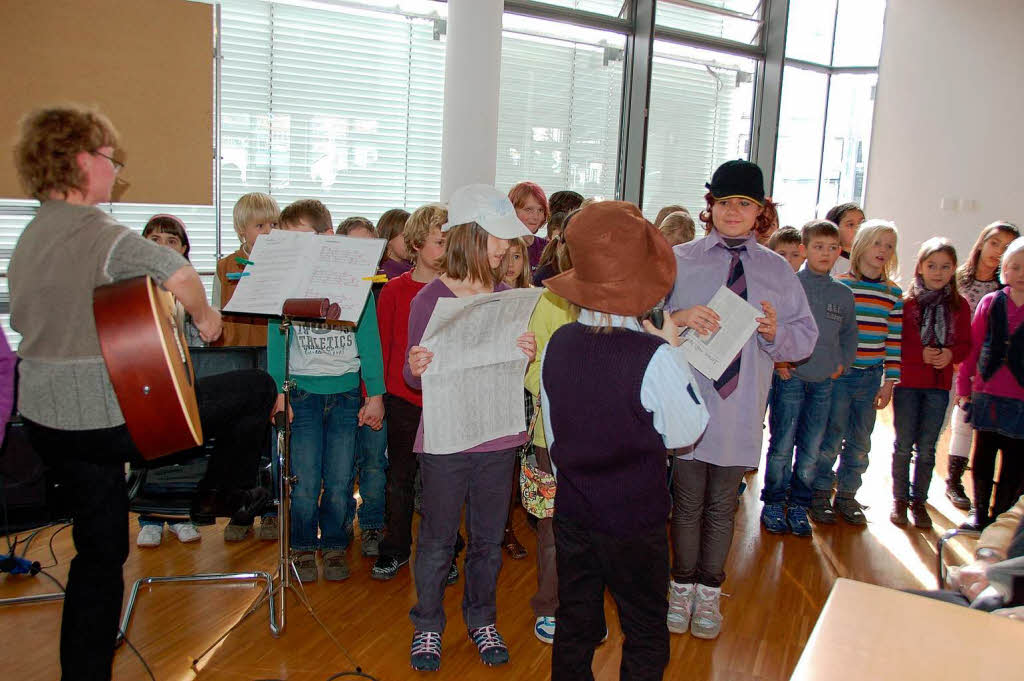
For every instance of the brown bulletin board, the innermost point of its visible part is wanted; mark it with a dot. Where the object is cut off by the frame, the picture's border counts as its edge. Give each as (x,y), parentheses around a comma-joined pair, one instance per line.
(146,64)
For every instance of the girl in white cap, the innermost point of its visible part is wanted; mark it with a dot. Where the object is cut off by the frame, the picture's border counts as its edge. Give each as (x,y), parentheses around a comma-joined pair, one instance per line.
(481,221)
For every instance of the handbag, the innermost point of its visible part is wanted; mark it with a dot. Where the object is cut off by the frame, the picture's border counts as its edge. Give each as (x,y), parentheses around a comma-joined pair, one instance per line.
(536,487)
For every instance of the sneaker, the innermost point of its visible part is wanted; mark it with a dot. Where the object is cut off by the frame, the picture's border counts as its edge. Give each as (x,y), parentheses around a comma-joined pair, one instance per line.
(490,645)
(821,510)
(707,619)
(680,607)
(919,510)
(850,510)
(386,567)
(425,654)
(185,532)
(305,565)
(796,519)
(235,532)
(150,536)
(335,565)
(269,529)
(371,542)
(898,515)
(972,523)
(544,629)
(453,574)
(773,517)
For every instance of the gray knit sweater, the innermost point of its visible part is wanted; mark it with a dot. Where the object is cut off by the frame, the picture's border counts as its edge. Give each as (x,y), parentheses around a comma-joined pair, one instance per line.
(64,253)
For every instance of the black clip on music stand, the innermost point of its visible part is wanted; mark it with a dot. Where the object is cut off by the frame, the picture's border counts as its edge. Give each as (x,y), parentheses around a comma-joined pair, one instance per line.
(286,577)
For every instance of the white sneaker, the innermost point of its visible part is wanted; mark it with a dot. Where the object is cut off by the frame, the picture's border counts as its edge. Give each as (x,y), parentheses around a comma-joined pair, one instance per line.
(707,619)
(680,606)
(186,532)
(544,629)
(150,535)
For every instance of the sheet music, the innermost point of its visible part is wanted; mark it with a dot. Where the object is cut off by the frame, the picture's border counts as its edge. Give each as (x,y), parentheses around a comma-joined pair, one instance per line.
(339,265)
(473,388)
(712,353)
(307,265)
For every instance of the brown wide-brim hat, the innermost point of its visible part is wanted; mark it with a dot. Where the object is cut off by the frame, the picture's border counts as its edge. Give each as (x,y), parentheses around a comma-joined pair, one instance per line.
(622,264)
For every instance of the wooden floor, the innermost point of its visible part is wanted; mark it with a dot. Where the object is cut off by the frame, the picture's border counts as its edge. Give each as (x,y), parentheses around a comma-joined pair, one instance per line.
(777,586)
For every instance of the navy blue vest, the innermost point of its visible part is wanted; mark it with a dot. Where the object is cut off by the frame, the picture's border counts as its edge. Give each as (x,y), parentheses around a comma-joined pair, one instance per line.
(610,459)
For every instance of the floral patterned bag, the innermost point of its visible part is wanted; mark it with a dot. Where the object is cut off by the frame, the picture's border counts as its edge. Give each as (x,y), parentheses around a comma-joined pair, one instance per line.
(536,487)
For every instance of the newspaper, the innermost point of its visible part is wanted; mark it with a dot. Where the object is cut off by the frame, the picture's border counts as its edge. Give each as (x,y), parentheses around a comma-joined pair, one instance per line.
(473,388)
(712,353)
(306,265)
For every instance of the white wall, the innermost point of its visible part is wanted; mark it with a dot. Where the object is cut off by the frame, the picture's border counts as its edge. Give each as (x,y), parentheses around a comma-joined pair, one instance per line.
(949,121)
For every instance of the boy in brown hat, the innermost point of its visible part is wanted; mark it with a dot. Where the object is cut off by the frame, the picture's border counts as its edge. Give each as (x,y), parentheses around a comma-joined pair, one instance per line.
(612,499)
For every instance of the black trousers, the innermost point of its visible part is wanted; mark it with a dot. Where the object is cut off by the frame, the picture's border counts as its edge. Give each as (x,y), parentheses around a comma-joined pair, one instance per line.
(233,407)
(403,420)
(635,570)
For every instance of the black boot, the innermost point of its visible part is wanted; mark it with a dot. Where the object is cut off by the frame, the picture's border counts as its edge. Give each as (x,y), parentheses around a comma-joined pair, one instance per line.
(954,483)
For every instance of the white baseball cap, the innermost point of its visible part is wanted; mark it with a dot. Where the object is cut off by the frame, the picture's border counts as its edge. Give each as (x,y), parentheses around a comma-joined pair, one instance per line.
(489,208)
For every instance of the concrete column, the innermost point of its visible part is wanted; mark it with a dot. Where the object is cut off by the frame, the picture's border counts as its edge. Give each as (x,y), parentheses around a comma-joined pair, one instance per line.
(472,83)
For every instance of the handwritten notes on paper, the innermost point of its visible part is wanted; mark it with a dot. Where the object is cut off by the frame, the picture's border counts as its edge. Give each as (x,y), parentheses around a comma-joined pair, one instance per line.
(712,353)
(307,265)
(473,388)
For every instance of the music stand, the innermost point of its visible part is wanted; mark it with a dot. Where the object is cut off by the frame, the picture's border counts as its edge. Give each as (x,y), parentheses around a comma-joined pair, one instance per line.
(286,577)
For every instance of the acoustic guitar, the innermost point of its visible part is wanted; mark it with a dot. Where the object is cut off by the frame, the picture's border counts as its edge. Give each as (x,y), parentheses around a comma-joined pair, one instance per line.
(149,365)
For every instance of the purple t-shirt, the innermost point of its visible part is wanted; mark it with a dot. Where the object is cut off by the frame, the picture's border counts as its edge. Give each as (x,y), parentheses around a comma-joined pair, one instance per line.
(419,314)
(394,268)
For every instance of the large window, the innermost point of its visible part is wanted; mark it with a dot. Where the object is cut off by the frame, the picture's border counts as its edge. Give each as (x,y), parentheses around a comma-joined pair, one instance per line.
(828,97)
(700,111)
(561,94)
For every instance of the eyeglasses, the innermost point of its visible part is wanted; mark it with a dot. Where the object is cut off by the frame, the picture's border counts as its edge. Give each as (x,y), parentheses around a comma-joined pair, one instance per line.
(113,161)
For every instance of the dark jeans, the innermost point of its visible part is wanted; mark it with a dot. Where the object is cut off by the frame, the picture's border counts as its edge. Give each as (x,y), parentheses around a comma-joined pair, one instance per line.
(323,451)
(482,481)
(403,420)
(1011,473)
(848,436)
(918,415)
(703,516)
(635,571)
(371,469)
(799,416)
(545,601)
(233,407)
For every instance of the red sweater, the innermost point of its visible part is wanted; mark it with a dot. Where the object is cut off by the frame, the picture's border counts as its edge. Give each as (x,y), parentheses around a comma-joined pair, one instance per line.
(393,320)
(917,374)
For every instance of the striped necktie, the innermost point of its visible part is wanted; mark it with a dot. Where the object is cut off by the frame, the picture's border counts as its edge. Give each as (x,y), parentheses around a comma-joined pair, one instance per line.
(737,283)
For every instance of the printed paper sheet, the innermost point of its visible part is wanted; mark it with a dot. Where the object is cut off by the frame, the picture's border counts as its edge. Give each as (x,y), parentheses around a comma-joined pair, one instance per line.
(712,353)
(473,388)
(307,265)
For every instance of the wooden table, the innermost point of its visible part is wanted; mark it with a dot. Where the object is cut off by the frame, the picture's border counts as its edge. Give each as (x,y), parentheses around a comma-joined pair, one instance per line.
(868,632)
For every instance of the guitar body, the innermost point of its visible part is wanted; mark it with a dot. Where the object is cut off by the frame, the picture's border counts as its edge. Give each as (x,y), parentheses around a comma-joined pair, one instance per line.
(149,365)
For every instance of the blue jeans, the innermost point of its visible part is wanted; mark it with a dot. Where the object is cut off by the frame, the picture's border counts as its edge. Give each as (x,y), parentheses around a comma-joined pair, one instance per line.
(371,467)
(799,416)
(850,422)
(917,414)
(323,454)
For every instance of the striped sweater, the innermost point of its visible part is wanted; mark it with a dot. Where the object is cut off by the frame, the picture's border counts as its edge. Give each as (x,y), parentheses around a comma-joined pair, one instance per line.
(879,307)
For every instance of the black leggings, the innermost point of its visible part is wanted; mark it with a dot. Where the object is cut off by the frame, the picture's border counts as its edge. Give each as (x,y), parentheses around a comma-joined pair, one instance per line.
(1011,473)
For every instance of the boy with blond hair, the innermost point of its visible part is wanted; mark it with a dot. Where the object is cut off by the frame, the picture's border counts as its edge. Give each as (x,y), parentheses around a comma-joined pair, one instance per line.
(254,214)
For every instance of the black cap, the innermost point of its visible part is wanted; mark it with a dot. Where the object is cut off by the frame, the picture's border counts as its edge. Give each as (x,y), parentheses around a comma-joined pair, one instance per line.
(738,178)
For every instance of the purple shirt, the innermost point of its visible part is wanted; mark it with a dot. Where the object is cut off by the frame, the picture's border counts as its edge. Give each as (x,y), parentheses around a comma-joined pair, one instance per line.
(419,314)
(394,268)
(733,435)
(7,362)
(535,250)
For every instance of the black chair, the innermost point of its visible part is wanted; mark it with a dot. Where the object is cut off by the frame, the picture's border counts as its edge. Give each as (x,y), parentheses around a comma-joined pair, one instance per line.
(165,492)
